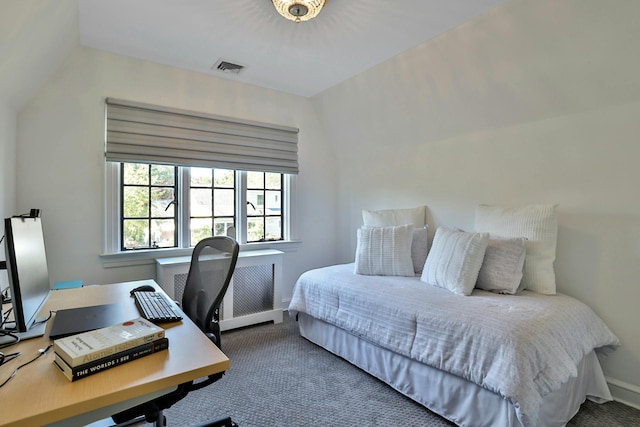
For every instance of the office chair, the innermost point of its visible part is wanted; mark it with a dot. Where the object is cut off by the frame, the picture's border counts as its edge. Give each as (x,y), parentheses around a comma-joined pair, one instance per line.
(212,264)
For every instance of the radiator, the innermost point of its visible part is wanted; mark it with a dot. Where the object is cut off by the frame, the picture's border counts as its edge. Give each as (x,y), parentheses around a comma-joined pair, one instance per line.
(254,292)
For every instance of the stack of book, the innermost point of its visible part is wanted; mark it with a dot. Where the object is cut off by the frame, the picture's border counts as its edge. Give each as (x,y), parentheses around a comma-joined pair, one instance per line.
(88,353)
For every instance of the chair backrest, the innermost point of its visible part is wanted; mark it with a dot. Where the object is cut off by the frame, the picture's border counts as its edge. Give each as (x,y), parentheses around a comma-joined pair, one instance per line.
(212,264)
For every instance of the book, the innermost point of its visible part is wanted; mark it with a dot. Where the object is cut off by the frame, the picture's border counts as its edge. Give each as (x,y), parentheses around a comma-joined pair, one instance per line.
(93,345)
(111,361)
(68,284)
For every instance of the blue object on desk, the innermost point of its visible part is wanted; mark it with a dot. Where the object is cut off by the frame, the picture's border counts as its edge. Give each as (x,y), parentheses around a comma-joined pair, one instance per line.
(69,284)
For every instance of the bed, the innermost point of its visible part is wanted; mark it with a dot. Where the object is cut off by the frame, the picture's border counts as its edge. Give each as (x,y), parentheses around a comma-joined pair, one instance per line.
(475,357)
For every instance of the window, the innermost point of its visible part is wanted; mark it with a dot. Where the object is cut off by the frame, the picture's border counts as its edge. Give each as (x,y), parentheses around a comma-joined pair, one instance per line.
(175,176)
(156,202)
(211,203)
(264,201)
(147,208)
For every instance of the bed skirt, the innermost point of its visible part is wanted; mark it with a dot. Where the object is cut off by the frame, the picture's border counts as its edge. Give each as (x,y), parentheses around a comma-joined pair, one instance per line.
(454,398)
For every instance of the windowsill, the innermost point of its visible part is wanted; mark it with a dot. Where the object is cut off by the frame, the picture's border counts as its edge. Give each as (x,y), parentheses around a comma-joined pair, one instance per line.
(149,256)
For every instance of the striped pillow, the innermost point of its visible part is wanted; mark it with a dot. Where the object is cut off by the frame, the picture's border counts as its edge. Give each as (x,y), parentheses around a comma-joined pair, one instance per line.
(384,251)
(454,260)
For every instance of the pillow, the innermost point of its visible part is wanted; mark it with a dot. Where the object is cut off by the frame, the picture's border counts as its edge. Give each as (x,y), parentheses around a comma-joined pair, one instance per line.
(539,225)
(501,269)
(419,248)
(454,260)
(414,216)
(388,217)
(384,251)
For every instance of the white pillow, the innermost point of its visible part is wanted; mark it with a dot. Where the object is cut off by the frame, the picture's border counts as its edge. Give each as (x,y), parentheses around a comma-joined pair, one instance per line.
(419,248)
(501,269)
(384,251)
(414,216)
(388,217)
(539,225)
(454,260)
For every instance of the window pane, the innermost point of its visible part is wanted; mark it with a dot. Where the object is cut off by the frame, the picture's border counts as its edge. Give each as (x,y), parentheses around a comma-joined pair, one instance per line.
(162,175)
(255,202)
(135,233)
(220,226)
(160,199)
(264,206)
(135,202)
(273,206)
(162,233)
(201,203)
(273,228)
(255,229)
(200,228)
(148,211)
(214,198)
(223,178)
(273,181)
(135,173)
(200,177)
(223,202)
(255,179)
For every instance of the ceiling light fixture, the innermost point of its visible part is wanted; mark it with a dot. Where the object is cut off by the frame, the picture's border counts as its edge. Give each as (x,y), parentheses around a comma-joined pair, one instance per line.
(298,10)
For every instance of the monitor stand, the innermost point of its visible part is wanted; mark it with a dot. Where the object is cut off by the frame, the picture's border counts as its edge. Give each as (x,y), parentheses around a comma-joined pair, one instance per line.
(37,330)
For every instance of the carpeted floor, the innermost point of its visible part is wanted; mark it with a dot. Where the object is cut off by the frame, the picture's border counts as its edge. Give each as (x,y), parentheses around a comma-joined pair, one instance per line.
(278,378)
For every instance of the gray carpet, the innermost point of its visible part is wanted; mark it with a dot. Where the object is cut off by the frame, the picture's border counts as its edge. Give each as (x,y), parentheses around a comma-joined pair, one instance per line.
(278,378)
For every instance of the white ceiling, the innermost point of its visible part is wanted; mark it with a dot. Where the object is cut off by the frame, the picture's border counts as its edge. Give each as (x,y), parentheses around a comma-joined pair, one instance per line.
(348,37)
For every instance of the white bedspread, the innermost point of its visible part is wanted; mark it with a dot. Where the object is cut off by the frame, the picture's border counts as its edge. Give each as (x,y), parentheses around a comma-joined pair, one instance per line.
(521,347)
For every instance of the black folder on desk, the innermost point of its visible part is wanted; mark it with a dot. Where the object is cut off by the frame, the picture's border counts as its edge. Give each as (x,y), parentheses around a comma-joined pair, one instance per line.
(83,319)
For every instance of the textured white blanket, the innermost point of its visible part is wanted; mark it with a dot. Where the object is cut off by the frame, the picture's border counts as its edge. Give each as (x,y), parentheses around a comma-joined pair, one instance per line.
(519,346)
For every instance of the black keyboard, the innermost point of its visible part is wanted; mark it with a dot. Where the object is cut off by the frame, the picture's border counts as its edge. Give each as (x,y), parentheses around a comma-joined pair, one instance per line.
(156,308)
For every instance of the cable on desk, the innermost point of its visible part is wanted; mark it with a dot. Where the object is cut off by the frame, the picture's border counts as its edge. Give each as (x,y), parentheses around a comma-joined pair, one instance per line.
(6,299)
(41,353)
(4,358)
(46,319)
(6,333)
(5,317)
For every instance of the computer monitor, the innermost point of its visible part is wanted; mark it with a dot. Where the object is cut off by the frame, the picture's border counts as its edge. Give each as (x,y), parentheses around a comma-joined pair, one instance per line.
(27,270)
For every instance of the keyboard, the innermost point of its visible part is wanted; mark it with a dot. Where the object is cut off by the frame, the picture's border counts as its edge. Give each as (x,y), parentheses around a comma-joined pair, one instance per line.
(156,308)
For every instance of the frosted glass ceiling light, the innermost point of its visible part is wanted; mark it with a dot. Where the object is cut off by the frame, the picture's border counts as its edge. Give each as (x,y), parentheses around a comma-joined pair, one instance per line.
(298,10)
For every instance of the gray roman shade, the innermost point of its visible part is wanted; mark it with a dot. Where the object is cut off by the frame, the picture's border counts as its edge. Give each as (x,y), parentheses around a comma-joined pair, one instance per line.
(144,133)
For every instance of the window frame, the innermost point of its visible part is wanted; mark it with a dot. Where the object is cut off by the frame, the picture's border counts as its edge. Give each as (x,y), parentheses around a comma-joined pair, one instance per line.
(113,256)
(149,186)
(264,216)
(188,216)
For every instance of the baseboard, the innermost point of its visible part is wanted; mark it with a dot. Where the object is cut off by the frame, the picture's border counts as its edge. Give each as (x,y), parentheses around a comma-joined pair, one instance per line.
(628,394)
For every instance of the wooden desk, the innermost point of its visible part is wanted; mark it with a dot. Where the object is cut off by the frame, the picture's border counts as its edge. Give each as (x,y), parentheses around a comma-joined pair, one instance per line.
(40,394)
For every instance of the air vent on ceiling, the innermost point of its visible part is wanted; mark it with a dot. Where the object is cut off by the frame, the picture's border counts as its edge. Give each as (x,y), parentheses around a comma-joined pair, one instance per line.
(227,67)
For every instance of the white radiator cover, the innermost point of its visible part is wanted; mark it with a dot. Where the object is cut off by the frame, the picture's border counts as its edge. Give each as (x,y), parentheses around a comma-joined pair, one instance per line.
(254,294)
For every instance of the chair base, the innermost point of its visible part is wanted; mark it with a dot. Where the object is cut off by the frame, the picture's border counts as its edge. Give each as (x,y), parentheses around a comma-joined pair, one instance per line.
(220,422)
(162,422)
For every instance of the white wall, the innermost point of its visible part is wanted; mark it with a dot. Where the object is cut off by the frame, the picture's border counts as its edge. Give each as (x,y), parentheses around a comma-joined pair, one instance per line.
(7,174)
(33,34)
(535,102)
(61,162)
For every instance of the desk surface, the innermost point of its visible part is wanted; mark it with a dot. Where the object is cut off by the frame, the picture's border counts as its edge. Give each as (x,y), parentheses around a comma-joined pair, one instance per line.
(40,394)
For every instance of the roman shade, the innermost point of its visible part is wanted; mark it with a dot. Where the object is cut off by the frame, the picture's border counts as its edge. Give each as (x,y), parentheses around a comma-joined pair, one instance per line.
(143,133)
